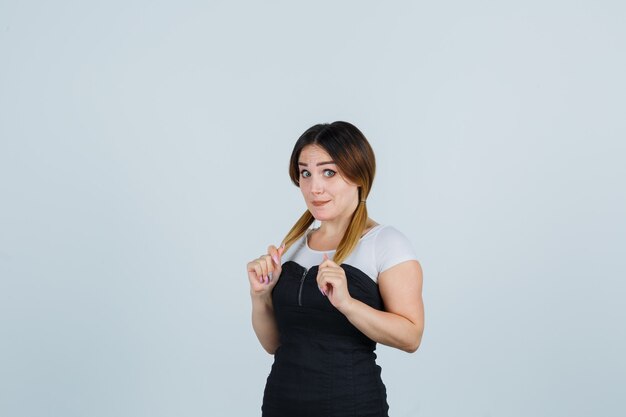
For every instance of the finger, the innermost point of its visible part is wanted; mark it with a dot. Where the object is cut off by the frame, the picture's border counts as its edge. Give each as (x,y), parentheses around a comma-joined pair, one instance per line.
(327,277)
(326,261)
(267,266)
(271,267)
(262,265)
(281,250)
(269,263)
(258,271)
(326,281)
(321,284)
(273,252)
(331,277)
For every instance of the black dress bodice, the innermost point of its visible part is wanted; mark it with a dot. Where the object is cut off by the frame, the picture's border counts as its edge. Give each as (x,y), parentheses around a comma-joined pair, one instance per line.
(324,366)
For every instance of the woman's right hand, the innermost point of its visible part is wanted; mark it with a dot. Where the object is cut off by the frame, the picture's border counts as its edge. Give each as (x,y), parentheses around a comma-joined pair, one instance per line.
(263,272)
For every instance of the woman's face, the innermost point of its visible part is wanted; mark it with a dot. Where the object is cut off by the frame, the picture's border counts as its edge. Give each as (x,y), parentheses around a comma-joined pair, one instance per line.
(327,194)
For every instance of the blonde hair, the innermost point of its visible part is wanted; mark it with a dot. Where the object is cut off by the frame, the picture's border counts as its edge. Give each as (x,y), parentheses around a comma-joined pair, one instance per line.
(353,155)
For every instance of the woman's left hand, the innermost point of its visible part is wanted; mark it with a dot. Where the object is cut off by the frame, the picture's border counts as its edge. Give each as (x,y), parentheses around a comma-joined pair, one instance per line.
(332,282)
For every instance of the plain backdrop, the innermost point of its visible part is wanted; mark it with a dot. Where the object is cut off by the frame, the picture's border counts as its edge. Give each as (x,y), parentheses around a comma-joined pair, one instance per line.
(144,148)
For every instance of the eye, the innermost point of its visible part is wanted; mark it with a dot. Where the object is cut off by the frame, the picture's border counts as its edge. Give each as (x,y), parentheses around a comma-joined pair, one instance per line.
(329,173)
(305,174)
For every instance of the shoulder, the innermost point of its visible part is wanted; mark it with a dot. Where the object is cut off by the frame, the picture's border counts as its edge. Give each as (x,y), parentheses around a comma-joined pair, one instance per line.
(386,236)
(392,247)
(386,231)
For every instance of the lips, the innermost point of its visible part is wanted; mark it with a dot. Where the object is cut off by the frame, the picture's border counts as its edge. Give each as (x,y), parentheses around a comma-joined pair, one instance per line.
(319,203)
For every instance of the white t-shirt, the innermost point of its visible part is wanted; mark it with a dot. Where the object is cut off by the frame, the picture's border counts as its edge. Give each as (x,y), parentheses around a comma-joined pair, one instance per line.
(379,249)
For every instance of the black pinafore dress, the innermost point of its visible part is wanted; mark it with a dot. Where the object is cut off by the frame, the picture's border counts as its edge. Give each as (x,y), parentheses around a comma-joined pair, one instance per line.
(324,367)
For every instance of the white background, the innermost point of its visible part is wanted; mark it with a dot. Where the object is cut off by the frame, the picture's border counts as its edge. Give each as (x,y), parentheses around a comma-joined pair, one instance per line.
(144,149)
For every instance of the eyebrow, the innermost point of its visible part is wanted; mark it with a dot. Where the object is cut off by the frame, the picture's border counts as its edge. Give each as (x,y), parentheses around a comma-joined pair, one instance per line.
(318,164)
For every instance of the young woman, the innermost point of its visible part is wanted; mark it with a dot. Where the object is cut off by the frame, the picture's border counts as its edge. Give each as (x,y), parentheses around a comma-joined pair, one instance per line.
(324,298)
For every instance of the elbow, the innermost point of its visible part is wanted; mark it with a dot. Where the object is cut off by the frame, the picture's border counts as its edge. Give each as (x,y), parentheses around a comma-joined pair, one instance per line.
(413,344)
(271,349)
(411,348)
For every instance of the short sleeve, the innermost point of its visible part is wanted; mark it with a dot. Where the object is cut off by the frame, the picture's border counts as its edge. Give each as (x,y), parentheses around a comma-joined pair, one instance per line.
(392,248)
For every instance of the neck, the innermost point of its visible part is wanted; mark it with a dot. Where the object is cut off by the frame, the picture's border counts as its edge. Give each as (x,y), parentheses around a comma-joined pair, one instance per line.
(334,228)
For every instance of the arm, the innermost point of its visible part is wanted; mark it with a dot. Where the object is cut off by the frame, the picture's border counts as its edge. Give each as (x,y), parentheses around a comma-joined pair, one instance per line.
(264,323)
(402,324)
(263,274)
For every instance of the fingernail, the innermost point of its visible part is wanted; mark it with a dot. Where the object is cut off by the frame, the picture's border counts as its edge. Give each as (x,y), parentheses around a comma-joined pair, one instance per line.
(275,258)
(321,290)
(261,279)
(325,293)
(270,275)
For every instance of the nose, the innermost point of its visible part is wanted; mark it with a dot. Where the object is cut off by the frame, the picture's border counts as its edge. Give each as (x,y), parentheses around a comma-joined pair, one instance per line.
(317,185)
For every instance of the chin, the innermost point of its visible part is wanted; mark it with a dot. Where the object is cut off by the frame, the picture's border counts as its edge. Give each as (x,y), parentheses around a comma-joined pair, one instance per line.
(320,216)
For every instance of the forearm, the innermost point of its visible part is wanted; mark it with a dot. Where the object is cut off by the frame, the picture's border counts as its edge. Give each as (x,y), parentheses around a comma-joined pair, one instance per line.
(264,323)
(384,327)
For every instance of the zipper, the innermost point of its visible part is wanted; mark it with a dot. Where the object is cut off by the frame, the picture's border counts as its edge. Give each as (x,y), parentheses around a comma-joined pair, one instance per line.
(301,284)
